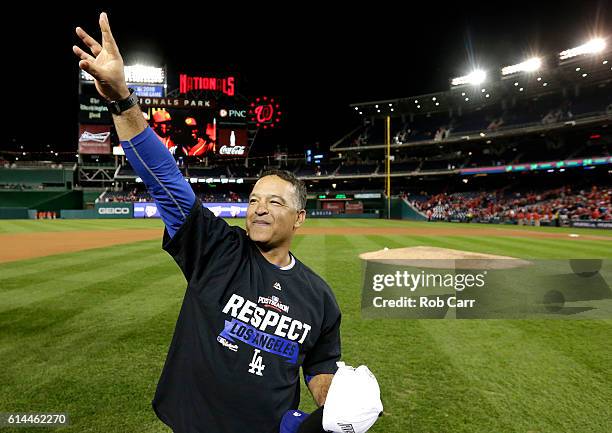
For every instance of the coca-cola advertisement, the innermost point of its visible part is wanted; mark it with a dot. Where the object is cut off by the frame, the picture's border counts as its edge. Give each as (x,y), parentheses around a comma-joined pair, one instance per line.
(232,141)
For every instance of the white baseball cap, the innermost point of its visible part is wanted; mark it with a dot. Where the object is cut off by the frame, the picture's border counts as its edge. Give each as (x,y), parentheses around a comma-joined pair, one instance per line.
(353,401)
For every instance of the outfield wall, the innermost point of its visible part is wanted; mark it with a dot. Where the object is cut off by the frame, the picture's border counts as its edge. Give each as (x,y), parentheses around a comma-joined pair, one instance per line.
(324,213)
(71,214)
(44,200)
(592,224)
(14,213)
(37,176)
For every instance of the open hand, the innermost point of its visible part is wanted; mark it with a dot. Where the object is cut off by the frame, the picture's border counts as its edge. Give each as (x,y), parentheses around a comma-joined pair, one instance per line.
(106,64)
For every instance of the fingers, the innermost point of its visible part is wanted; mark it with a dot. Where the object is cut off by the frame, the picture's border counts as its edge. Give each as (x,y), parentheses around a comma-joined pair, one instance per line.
(82,54)
(93,45)
(90,68)
(108,42)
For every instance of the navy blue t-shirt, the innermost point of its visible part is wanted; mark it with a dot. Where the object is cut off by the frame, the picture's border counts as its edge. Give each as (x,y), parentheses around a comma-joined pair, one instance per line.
(244,329)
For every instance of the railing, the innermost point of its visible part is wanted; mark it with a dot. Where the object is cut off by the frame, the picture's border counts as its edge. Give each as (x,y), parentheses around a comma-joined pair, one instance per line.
(479,135)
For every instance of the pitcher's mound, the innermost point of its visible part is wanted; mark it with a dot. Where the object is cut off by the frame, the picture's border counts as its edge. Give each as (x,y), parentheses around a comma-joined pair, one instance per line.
(442,258)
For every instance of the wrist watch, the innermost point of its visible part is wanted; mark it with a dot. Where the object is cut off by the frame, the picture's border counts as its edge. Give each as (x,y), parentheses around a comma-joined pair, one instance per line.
(118,107)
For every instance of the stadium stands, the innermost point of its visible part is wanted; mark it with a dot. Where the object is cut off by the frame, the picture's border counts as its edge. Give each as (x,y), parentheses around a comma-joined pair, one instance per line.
(215,172)
(141,195)
(501,115)
(356,168)
(530,208)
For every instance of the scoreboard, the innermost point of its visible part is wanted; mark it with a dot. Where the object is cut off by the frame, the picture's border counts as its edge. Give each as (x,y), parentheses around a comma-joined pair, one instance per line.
(204,116)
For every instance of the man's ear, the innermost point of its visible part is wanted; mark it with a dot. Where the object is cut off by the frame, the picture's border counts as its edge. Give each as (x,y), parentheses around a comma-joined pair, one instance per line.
(299,220)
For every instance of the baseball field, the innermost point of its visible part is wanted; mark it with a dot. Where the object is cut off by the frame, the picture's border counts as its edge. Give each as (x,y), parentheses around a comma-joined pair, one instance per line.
(88,307)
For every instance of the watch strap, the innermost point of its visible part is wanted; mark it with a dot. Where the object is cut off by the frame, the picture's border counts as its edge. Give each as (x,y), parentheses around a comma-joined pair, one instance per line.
(118,107)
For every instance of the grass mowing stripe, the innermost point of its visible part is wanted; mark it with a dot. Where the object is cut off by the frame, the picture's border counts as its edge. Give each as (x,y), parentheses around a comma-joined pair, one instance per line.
(86,321)
(36,315)
(553,382)
(440,242)
(597,248)
(13,226)
(37,226)
(537,249)
(569,337)
(89,315)
(559,244)
(476,227)
(400,241)
(394,241)
(359,223)
(560,248)
(463,243)
(9,226)
(296,242)
(419,380)
(63,285)
(515,247)
(454,242)
(84,258)
(343,273)
(90,388)
(310,252)
(41,267)
(362,244)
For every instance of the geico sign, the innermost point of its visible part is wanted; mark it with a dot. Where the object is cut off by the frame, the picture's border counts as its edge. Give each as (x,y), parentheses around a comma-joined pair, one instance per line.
(232,150)
(113,211)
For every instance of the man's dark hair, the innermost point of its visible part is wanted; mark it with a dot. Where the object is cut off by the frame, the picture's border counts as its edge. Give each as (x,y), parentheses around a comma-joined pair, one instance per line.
(300,187)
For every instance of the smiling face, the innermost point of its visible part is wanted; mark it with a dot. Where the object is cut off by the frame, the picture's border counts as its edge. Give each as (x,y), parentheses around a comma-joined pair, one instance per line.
(272,215)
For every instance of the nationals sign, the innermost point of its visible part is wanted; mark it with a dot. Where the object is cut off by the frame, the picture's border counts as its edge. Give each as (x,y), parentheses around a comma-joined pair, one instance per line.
(225,85)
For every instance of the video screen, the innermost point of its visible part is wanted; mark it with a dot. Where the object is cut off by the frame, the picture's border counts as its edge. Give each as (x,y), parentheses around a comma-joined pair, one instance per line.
(185,132)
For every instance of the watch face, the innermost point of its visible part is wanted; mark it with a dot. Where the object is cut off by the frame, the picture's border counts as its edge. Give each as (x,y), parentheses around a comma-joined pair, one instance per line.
(113,107)
(118,107)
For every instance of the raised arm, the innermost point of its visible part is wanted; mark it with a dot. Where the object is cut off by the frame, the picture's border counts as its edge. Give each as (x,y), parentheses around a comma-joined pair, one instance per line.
(148,156)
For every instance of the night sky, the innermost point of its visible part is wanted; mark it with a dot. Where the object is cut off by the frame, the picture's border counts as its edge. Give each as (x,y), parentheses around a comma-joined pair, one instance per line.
(317,60)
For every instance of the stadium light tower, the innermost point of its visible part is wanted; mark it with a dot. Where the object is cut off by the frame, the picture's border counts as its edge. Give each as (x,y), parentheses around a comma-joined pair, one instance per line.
(476,77)
(530,65)
(594,46)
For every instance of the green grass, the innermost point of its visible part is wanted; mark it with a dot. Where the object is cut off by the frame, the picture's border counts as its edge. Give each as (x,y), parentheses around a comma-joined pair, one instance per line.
(86,334)
(28,226)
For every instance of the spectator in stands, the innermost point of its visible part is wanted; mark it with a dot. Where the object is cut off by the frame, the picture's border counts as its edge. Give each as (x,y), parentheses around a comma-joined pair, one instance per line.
(442,133)
(595,214)
(552,206)
(495,124)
